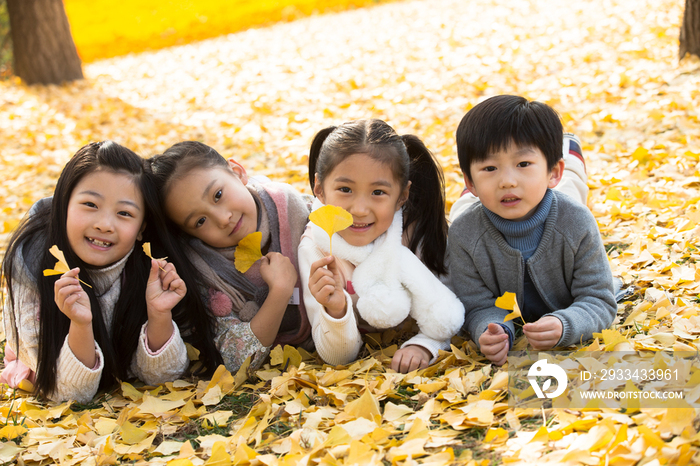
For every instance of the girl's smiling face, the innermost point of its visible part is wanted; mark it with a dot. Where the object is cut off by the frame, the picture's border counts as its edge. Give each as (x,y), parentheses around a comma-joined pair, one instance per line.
(105,217)
(213,204)
(368,190)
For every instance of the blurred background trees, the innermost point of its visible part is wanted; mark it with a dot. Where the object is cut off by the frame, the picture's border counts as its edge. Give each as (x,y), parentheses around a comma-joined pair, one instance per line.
(42,45)
(690,29)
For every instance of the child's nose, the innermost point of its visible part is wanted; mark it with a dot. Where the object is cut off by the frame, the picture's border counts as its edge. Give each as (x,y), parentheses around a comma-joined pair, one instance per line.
(223,218)
(508,180)
(104,223)
(359,208)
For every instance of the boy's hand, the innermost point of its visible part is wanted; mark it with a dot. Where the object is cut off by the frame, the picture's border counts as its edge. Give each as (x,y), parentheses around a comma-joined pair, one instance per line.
(545,333)
(71,299)
(410,358)
(164,290)
(494,344)
(279,273)
(326,286)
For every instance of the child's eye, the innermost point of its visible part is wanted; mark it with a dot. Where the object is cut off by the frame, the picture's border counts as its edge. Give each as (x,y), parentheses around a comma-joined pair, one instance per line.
(345,189)
(89,204)
(124,213)
(490,169)
(524,164)
(217,196)
(378,192)
(199,222)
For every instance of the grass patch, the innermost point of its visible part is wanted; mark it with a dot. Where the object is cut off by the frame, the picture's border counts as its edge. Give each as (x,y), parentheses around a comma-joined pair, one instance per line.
(239,403)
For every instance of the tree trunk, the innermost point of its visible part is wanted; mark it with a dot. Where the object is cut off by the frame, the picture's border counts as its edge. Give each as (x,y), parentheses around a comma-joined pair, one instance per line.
(42,45)
(690,29)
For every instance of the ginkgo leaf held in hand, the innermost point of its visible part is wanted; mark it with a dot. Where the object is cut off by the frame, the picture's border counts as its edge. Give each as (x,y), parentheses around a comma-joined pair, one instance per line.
(147,251)
(248,251)
(509,302)
(331,219)
(61,266)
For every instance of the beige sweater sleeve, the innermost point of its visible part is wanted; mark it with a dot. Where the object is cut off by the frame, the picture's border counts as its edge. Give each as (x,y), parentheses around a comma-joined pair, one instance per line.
(74,380)
(337,341)
(164,365)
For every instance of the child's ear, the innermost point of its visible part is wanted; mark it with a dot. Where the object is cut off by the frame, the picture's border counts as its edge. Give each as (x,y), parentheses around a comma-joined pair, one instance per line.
(404,196)
(318,189)
(469,185)
(139,237)
(556,174)
(238,170)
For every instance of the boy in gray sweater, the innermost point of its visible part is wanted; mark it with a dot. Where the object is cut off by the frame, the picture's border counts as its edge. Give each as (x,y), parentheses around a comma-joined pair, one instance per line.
(523,237)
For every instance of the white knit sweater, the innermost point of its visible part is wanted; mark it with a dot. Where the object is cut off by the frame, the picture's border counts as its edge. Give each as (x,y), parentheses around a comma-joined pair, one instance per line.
(75,381)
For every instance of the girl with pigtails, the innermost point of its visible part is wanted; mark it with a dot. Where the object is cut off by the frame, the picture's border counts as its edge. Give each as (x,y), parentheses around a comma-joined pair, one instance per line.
(383,267)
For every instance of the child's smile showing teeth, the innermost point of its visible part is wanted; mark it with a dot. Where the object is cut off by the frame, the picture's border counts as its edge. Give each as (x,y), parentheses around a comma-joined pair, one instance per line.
(97,242)
(360,226)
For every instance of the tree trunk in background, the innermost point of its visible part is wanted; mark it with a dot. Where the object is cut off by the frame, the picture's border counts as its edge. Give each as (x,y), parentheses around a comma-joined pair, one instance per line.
(42,44)
(690,29)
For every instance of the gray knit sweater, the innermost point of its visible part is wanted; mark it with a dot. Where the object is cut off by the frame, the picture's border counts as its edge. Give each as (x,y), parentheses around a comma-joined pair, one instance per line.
(569,269)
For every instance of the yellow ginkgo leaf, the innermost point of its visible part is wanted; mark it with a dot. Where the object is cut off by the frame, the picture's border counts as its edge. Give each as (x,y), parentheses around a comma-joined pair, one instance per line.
(509,302)
(61,266)
(513,315)
(331,219)
(248,251)
(147,250)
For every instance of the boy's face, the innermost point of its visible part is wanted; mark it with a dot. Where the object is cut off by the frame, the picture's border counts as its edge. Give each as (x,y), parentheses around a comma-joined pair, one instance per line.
(214,205)
(511,183)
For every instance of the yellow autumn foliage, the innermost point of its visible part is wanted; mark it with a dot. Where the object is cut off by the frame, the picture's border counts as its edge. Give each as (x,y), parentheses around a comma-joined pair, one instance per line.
(102,29)
(610,69)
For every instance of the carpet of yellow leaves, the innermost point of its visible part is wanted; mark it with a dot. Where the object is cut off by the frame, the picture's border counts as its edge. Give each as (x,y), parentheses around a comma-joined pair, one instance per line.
(101,31)
(608,66)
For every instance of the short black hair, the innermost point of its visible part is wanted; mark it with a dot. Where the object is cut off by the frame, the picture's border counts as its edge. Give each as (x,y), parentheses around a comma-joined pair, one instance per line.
(499,121)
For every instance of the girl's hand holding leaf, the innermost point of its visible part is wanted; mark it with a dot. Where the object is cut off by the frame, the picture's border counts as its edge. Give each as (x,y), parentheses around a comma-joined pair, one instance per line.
(326,286)
(74,302)
(71,299)
(164,290)
(279,273)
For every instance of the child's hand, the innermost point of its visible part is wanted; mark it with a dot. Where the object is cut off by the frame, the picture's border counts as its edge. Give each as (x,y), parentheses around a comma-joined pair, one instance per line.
(545,333)
(278,272)
(71,299)
(494,344)
(326,286)
(164,290)
(410,358)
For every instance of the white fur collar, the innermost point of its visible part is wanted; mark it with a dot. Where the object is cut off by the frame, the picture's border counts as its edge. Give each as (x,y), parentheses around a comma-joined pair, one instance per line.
(383,301)
(392,283)
(354,254)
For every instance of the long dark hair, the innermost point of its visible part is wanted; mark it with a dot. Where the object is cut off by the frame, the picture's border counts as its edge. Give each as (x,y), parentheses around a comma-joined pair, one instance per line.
(409,160)
(164,169)
(46,227)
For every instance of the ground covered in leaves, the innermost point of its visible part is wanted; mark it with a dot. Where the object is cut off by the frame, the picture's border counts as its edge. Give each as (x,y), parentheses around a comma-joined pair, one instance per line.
(608,66)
